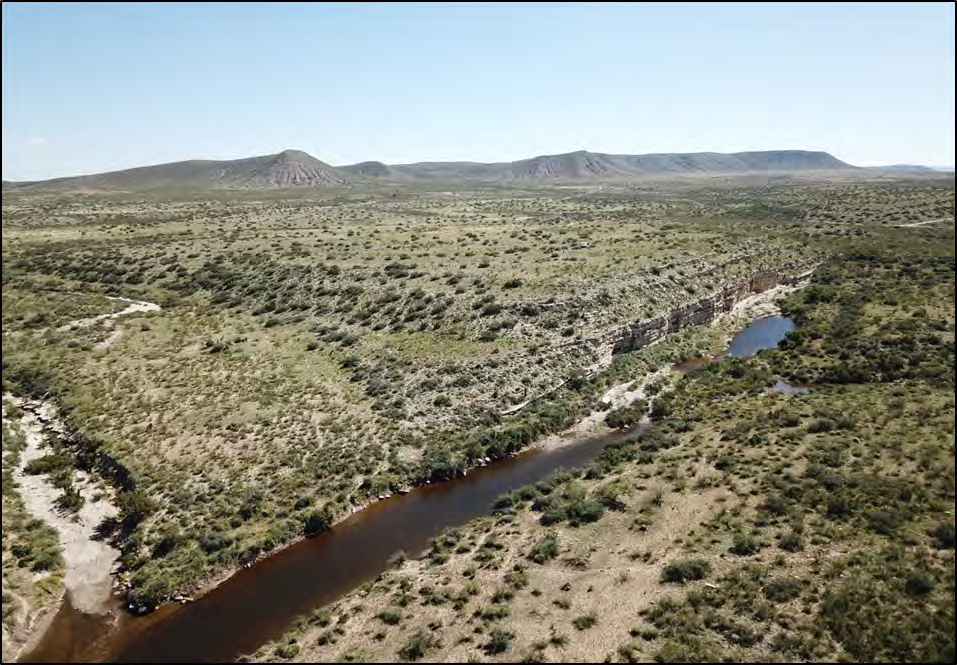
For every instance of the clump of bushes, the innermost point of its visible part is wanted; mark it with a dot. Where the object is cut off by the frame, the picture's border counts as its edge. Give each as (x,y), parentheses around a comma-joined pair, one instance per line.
(685,570)
(585,621)
(572,504)
(420,643)
(627,416)
(545,549)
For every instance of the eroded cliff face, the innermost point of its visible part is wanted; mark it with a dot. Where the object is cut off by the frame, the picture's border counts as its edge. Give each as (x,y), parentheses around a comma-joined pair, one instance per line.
(698,312)
(601,348)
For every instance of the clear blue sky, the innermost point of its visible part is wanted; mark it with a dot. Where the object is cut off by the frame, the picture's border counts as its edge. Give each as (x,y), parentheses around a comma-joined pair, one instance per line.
(95,87)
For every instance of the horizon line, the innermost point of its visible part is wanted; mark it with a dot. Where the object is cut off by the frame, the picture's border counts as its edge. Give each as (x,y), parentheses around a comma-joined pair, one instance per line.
(431,161)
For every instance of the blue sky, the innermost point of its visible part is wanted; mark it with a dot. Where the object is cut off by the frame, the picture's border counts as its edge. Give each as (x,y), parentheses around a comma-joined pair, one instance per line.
(92,87)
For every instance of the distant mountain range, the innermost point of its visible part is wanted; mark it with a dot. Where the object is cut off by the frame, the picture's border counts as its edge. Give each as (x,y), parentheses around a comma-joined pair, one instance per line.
(294,168)
(583,165)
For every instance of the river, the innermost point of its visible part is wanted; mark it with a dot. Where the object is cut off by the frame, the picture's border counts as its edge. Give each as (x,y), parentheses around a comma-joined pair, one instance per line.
(259,603)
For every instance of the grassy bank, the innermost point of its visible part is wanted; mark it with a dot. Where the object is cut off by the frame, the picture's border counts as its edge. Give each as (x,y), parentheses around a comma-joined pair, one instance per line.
(748,525)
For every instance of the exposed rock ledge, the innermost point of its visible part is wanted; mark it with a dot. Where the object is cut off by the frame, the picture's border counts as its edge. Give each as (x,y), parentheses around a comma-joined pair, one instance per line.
(702,311)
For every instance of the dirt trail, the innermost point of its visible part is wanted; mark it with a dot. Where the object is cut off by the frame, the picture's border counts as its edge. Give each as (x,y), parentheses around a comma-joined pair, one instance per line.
(109,341)
(13,637)
(134,307)
(108,320)
(929,221)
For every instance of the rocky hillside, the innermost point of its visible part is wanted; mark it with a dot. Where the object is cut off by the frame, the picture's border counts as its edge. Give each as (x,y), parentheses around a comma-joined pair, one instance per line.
(290,168)
(294,168)
(597,166)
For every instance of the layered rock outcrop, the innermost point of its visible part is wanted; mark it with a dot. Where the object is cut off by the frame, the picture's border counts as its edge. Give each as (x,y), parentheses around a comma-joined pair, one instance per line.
(702,311)
(699,312)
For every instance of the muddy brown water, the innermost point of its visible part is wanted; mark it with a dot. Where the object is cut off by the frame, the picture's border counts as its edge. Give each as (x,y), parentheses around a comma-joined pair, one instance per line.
(259,603)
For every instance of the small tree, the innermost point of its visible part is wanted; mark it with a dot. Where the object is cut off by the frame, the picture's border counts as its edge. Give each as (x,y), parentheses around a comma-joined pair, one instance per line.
(135,507)
(317,521)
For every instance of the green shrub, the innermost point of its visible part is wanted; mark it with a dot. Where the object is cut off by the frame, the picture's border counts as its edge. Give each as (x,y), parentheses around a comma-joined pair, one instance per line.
(688,650)
(389,617)
(418,645)
(745,544)
(585,621)
(213,541)
(919,583)
(499,641)
(584,512)
(154,591)
(792,541)
(545,549)
(943,533)
(169,539)
(783,589)
(135,506)
(627,416)
(287,651)
(885,610)
(317,521)
(320,617)
(50,463)
(494,612)
(610,495)
(685,570)
(70,500)
(46,559)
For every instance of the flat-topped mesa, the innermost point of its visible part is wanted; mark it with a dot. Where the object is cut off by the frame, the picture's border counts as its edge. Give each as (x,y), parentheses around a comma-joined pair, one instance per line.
(598,166)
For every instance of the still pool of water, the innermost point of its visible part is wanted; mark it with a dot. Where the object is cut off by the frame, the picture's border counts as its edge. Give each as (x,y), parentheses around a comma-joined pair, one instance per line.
(762,334)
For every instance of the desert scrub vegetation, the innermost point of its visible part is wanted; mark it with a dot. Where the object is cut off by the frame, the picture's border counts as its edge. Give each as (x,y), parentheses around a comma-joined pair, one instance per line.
(397,286)
(886,319)
(685,570)
(34,304)
(317,351)
(751,525)
(849,207)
